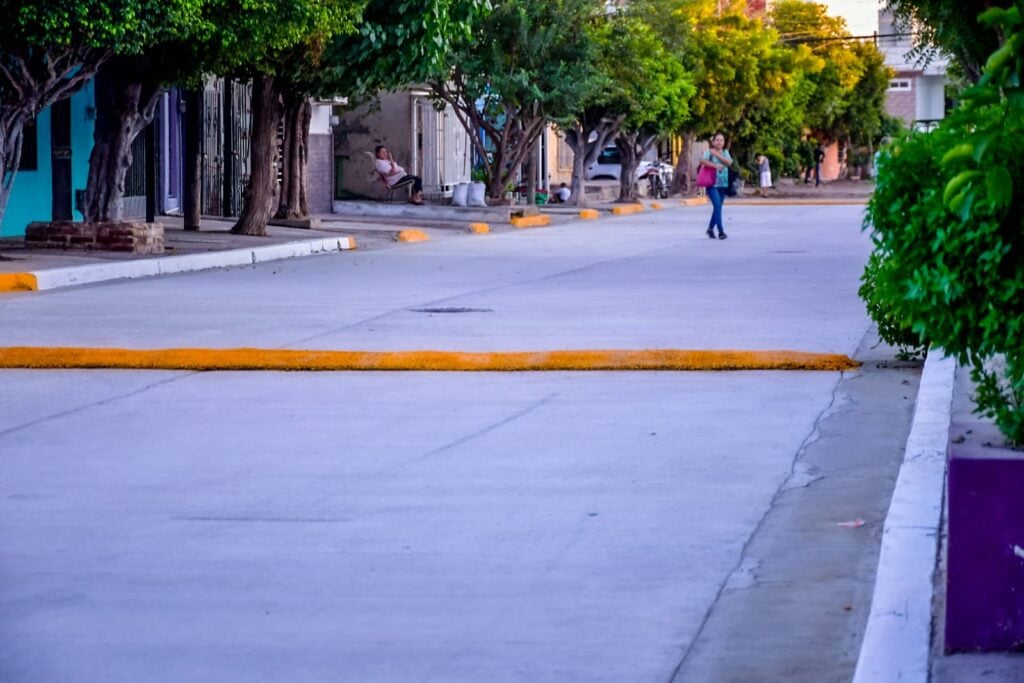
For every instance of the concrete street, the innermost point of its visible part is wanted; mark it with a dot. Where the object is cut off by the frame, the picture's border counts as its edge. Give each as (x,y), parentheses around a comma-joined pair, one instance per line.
(589,526)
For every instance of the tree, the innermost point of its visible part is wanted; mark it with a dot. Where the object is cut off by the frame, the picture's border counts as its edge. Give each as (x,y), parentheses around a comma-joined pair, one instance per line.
(637,92)
(396,44)
(50,50)
(847,103)
(745,77)
(655,100)
(526,63)
(128,90)
(280,37)
(951,26)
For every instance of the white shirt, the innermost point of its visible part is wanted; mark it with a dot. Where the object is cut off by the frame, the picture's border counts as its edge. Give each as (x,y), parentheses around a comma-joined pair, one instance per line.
(564,193)
(384,168)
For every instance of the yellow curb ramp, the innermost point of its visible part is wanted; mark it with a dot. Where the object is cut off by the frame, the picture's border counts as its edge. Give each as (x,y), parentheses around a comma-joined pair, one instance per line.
(411,235)
(588,214)
(18,282)
(537,221)
(35,357)
(479,228)
(627,209)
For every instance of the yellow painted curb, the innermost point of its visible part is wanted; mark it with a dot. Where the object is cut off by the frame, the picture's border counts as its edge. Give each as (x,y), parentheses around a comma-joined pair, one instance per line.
(589,213)
(627,209)
(657,205)
(536,221)
(695,201)
(412,236)
(18,282)
(286,359)
(479,228)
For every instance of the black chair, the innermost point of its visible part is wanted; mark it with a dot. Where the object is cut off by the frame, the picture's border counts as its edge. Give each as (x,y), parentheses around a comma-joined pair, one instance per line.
(389,190)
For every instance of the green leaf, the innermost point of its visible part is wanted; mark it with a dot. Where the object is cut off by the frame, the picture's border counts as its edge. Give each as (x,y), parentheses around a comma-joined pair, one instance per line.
(964,150)
(999,186)
(954,186)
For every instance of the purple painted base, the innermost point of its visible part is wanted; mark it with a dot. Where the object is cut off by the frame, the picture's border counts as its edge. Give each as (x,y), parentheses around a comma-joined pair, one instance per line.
(985,580)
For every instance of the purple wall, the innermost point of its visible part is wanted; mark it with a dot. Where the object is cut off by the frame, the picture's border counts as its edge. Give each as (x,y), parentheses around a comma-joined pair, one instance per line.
(985,582)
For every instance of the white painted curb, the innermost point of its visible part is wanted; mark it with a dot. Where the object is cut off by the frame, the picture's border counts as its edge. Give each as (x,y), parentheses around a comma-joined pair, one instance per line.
(54,278)
(897,641)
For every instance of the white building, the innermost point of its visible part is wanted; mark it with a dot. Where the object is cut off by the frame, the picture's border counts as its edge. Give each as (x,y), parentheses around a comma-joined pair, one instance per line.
(917,93)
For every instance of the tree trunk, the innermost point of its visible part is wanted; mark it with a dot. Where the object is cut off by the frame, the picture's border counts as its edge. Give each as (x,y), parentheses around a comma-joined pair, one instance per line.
(125,106)
(298,113)
(12,125)
(633,146)
(192,198)
(585,151)
(682,179)
(530,175)
(627,182)
(32,80)
(261,191)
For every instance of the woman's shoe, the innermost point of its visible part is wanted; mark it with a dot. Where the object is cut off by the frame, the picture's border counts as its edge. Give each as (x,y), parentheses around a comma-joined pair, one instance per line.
(722,235)
(711,233)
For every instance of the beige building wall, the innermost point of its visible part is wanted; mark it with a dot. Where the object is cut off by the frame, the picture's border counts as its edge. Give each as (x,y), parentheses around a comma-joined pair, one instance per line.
(423,141)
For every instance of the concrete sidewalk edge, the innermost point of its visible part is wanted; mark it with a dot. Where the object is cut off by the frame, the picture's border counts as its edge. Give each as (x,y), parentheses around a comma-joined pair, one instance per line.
(897,640)
(54,278)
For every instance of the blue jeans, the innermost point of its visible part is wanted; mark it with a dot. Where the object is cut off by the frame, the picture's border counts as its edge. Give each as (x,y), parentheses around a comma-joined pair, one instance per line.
(717,197)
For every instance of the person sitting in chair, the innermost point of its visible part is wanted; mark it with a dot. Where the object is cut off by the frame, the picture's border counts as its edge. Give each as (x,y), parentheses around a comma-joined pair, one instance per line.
(394,174)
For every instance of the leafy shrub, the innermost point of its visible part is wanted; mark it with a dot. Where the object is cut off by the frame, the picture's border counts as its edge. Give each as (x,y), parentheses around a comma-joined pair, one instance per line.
(948,264)
(891,328)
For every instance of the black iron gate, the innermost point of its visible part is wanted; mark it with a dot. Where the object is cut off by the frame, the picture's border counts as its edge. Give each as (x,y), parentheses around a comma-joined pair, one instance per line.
(227,118)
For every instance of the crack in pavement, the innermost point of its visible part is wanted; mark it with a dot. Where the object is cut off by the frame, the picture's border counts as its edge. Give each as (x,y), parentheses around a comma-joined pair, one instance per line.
(782,490)
(94,404)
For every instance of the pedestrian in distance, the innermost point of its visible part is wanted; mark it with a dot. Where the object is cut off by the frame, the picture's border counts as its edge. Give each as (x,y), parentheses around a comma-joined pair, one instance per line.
(764,168)
(718,158)
(394,174)
(819,156)
(562,194)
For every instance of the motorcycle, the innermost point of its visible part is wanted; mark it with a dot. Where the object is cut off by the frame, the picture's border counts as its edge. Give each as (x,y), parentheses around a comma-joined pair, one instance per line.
(659,175)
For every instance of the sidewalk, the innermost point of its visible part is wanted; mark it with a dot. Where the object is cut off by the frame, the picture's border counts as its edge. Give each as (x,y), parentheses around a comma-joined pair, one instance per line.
(904,640)
(363,225)
(355,224)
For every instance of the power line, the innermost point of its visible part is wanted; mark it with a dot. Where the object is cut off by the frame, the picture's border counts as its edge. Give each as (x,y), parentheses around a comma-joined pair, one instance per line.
(842,39)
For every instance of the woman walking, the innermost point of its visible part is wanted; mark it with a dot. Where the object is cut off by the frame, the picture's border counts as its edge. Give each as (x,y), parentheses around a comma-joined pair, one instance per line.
(719,159)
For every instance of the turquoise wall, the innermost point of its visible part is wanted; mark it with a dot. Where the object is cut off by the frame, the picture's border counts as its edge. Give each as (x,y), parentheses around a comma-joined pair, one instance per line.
(31,198)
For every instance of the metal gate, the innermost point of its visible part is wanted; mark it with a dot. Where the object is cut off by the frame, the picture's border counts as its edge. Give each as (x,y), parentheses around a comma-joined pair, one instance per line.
(227,119)
(135,179)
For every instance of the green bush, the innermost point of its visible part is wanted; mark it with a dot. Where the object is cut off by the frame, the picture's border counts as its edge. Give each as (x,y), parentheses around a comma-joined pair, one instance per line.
(948,263)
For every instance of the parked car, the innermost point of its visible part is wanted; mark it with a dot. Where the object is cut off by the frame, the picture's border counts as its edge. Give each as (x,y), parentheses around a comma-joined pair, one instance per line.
(609,165)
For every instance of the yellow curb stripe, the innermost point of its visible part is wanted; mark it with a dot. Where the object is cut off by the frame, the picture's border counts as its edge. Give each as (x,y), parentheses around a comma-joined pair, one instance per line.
(627,209)
(538,221)
(657,206)
(479,228)
(18,282)
(695,201)
(589,214)
(286,359)
(412,236)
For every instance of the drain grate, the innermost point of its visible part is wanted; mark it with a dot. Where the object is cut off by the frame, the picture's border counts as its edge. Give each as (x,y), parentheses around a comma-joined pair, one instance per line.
(451,310)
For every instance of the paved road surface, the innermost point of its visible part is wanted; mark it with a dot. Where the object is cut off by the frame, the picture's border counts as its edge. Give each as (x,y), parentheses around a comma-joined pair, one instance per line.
(169,526)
